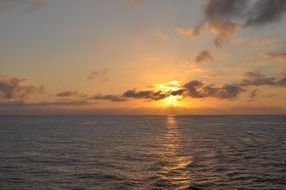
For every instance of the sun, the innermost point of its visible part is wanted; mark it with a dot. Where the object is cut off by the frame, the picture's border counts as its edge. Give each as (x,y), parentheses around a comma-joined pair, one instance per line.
(171,100)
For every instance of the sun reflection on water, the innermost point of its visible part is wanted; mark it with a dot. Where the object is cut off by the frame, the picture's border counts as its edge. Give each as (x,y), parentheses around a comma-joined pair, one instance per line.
(174,169)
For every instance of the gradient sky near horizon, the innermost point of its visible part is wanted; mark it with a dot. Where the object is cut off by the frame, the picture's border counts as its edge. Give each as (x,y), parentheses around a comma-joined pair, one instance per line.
(143,56)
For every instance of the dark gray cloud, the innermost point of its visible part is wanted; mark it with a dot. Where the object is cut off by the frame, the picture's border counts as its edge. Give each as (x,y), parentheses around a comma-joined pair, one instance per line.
(266,11)
(193,88)
(220,17)
(225,17)
(228,91)
(76,94)
(224,9)
(258,79)
(66,94)
(197,89)
(110,97)
(177,92)
(202,56)
(15,88)
(147,94)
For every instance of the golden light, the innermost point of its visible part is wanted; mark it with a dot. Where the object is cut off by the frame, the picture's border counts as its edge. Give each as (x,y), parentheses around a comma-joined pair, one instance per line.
(171,100)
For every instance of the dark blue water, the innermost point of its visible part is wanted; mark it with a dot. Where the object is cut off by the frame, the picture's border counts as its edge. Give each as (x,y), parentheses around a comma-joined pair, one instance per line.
(120,152)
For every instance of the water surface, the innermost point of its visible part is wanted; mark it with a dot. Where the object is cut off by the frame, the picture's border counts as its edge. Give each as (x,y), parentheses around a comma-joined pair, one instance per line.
(143,152)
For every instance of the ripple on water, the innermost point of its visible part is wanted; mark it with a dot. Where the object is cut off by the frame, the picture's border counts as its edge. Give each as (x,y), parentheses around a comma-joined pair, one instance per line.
(196,152)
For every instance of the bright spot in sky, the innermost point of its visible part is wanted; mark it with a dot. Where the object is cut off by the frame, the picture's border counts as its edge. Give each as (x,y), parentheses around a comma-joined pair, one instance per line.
(172,86)
(172,100)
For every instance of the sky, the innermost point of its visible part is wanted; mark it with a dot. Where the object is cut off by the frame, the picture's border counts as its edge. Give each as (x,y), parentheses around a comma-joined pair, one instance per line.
(142,57)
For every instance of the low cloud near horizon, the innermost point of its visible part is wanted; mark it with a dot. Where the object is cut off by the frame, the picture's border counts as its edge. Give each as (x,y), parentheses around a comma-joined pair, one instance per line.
(13,88)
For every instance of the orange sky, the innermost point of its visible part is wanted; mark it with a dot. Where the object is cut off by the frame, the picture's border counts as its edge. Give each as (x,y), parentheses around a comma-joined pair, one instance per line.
(142,57)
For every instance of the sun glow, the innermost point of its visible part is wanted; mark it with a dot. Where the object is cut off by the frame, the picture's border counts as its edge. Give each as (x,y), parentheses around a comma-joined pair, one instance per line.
(171,100)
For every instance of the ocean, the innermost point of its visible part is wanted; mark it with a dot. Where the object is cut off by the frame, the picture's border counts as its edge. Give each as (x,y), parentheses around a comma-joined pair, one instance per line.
(142,152)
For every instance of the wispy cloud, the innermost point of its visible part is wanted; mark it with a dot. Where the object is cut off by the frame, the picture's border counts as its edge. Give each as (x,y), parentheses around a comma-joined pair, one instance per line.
(258,79)
(202,56)
(159,33)
(253,94)
(99,75)
(46,103)
(65,94)
(279,55)
(113,98)
(188,32)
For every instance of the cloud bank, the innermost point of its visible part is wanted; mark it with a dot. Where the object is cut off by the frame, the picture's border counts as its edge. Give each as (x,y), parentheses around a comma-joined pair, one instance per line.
(14,92)
(224,18)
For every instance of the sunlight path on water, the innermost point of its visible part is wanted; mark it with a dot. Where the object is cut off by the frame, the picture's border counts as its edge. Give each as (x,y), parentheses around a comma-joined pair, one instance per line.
(174,170)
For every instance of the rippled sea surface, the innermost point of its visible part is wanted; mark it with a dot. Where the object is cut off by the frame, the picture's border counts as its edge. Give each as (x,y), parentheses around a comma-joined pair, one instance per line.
(143,152)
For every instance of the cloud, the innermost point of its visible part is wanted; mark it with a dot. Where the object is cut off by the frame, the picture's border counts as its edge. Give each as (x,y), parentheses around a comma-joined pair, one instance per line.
(147,94)
(194,89)
(161,35)
(203,56)
(177,92)
(113,98)
(222,31)
(197,89)
(45,103)
(281,82)
(253,93)
(16,88)
(224,18)
(188,32)
(258,79)
(99,75)
(281,55)
(218,16)
(65,94)
(266,11)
